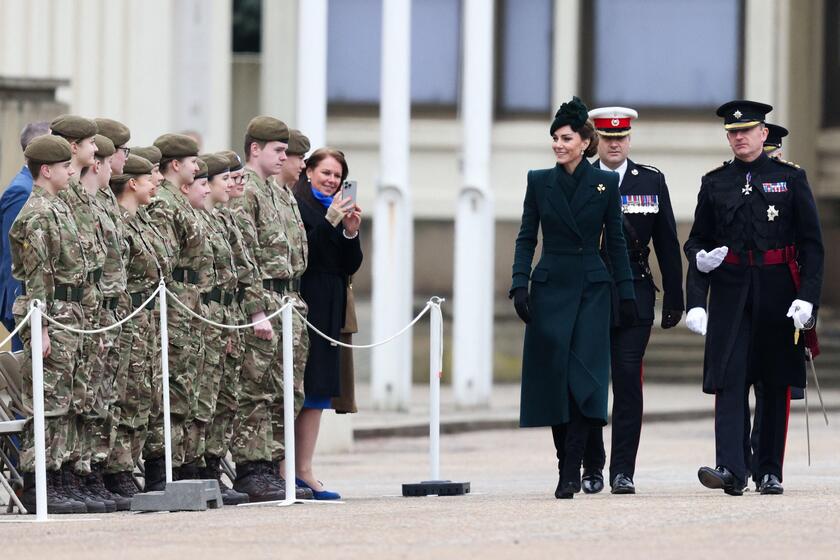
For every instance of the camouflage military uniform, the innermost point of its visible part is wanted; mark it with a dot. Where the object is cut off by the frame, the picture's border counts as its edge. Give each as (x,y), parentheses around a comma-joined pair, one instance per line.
(49,259)
(218,304)
(91,236)
(265,222)
(134,384)
(248,282)
(192,275)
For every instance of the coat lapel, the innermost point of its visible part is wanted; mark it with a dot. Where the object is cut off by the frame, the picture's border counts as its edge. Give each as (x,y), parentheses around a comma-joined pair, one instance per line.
(630,181)
(558,201)
(586,190)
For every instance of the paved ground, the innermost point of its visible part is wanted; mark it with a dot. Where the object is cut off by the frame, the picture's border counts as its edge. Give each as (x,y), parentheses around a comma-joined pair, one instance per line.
(511,513)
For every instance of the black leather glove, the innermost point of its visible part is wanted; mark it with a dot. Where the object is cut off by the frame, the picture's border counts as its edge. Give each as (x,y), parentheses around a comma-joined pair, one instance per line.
(627,313)
(521,304)
(671,318)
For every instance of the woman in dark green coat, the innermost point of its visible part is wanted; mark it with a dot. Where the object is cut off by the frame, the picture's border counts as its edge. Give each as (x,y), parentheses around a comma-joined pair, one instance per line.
(566,363)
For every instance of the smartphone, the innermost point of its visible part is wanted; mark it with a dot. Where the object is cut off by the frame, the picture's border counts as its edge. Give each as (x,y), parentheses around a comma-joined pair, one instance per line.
(349,190)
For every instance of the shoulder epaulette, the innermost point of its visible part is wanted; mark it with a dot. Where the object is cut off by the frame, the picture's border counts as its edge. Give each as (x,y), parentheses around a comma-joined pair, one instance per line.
(719,167)
(788,163)
(648,167)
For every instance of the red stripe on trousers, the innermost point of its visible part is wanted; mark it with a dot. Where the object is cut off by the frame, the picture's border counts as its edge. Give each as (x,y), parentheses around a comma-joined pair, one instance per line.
(787,421)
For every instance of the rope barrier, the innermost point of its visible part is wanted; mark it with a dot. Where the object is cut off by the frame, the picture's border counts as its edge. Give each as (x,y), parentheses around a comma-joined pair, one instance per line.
(288,301)
(109,327)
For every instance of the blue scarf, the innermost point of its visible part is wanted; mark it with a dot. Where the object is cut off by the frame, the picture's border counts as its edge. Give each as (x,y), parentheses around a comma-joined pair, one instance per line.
(322,198)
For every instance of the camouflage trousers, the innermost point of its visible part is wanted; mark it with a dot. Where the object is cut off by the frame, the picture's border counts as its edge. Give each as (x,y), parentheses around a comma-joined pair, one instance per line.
(208,383)
(185,357)
(253,438)
(220,430)
(134,393)
(300,338)
(59,371)
(97,422)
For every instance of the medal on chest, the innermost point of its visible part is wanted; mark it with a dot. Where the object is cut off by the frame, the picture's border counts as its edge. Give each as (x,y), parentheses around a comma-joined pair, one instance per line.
(747,187)
(640,204)
(772,213)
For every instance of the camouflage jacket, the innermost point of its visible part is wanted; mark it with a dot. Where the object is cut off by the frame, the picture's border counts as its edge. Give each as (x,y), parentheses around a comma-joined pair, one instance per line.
(142,265)
(93,243)
(47,247)
(223,262)
(176,219)
(247,271)
(113,281)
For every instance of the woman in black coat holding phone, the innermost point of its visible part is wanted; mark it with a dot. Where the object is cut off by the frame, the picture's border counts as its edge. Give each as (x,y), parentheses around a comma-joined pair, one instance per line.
(335,253)
(566,361)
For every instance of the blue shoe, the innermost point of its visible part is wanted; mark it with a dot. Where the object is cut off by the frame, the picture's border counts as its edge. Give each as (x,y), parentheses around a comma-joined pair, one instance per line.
(322,495)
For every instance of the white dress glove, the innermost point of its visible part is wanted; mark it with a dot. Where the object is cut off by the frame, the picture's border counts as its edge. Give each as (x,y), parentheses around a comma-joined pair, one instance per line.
(696,320)
(707,262)
(800,311)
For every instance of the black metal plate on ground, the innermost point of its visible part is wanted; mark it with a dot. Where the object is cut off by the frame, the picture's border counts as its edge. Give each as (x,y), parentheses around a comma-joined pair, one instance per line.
(436,488)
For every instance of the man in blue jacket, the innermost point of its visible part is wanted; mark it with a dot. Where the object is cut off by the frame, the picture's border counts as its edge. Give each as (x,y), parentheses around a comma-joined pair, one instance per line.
(13,199)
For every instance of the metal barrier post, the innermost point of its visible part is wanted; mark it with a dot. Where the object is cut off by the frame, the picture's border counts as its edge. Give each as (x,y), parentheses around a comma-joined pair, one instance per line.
(37,345)
(164,363)
(289,399)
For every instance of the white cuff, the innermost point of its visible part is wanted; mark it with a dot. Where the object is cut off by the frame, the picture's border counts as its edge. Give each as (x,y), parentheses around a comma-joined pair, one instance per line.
(354,236)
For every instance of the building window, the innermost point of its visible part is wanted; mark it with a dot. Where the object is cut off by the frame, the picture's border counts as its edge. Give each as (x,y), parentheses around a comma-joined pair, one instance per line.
(524,56)
(247,16)
(665,54)
(831,65)
(354,52)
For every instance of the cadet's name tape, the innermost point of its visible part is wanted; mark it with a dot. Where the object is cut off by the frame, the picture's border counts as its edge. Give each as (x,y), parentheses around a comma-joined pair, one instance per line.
(775,187)
(640,204)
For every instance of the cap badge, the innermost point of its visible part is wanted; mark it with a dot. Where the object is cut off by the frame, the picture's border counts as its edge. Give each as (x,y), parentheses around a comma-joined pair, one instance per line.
(772,213)
(737,114)
(615,122)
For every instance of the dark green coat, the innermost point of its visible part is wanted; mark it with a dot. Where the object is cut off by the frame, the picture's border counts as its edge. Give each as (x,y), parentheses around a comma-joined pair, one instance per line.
(567,342)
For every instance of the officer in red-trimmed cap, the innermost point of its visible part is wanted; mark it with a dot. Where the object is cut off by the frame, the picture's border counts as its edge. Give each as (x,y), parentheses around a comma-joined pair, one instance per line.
(647,216)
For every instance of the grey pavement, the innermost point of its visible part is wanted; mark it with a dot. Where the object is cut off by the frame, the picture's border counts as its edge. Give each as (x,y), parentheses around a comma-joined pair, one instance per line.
(510,514)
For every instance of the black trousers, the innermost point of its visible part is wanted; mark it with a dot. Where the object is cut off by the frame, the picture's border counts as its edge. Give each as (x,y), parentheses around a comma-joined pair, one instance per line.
(752,441)
(627,347)
(569,442)
(732,413)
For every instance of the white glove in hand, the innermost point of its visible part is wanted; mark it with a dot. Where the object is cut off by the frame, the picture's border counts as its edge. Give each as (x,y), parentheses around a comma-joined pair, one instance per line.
(696,320)
(800,311)
(707,262)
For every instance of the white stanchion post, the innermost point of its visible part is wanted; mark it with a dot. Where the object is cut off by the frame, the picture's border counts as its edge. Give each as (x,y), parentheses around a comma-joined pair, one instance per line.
(164,364)
(289,400)
(38,412)
(435,373)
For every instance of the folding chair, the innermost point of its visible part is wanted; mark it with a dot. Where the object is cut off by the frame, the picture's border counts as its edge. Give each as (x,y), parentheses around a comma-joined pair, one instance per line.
(13,416)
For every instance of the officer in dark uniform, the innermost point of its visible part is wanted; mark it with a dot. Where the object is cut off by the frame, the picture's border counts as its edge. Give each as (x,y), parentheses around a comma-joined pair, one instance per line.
(647,215)
(755,258)
(773,149)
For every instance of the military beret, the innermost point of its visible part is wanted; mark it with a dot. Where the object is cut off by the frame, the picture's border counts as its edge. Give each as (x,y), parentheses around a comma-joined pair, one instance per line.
(298,143)
(175,146)
(115,130)
(215,163)
(268,129)
(743,113)
(104,146)
(48,149)
(151,153)
(137,165)
(202,170)
(234,161)
(74,127)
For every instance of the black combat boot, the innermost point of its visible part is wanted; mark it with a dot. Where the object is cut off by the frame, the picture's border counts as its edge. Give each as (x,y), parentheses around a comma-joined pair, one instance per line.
(189,471)
(96,486)
(301,493)
(121,483)
(74,487)
(251,480)
(56,502)
(213,471)
(155,475)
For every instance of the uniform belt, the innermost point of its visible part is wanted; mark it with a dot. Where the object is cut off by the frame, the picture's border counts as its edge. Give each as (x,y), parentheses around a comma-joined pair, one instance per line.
(66,292)
(282,286)
(94,275)
(110,303)
(185,275)
(138,298)
(763,258)
(219,296)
